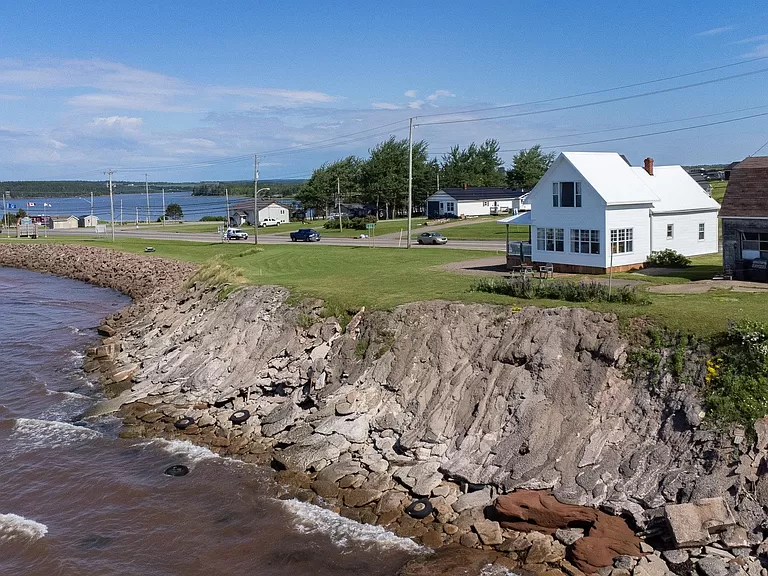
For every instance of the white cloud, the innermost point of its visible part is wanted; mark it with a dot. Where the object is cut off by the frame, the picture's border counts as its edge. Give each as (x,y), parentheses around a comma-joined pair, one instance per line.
(276,96)
(410,94)
(146,102)
(440,93)
(416,104)
(118,123)
(385,106)
(753,39)
(715,31)
(8,97)
(759,51)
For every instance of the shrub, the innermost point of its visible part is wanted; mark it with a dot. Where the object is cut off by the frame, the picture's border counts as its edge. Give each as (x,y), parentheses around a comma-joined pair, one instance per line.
(668,259)
(737,380)
(353,223)
(213,218)
(558,290)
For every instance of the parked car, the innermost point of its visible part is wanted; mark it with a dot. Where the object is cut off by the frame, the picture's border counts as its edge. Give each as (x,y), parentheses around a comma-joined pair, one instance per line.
(431,238)
(305,234)
(236,234)
(269,222)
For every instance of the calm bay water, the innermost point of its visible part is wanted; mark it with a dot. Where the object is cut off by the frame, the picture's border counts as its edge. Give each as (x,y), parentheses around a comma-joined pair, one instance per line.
(77,500)
(194,207)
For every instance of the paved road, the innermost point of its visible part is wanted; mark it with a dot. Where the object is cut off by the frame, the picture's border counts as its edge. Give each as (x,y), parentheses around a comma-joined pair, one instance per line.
(280,238)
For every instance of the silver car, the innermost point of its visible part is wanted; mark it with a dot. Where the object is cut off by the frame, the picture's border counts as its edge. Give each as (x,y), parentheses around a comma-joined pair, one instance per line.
(431,238)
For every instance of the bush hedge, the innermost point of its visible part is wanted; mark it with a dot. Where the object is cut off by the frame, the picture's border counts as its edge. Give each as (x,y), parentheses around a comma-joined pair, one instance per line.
(353,223)
(668,259)
(558,290)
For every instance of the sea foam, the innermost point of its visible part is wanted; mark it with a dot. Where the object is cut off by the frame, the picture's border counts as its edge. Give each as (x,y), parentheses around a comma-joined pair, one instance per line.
(343,531)
(182,448)
(13,526)
(31,434)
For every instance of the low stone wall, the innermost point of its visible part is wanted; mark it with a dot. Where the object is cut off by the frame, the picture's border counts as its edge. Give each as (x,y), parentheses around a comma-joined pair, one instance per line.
(143,278)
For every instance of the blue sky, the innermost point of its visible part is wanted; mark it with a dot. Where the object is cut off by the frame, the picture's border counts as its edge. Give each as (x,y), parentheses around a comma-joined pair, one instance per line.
(186,90)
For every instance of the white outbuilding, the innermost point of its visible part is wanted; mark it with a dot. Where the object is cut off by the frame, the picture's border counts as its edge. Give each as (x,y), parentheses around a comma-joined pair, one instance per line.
(475,201)
(593,211)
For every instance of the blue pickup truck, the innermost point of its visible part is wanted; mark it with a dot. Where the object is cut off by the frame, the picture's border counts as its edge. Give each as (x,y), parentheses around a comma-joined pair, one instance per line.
(305,234)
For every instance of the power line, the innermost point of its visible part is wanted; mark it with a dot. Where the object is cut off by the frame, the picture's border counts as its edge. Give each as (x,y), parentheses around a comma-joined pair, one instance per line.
(599,102)
(593,92)
(758,150)
(649,133)
(660,123)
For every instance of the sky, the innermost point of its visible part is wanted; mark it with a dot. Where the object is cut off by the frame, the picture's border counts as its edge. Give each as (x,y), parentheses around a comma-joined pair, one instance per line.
(189,91)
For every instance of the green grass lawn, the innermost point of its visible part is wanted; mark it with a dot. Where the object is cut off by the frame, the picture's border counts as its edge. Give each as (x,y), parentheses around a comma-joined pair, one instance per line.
(350,277)
(202,227)
(382,227)
(718,190)
(485,231)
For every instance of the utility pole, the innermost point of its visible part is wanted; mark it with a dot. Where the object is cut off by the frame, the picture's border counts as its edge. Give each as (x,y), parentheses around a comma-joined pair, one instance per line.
(438,179)
(137,217)
(163,214)
(146,186)
(226,196)
(5,215)
(121,211)
(91,205)
(255,199)
(111,203)
(338,195)
(410,181)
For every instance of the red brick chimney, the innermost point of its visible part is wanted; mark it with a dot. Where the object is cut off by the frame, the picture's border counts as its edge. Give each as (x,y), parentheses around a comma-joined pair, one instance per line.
(648,165)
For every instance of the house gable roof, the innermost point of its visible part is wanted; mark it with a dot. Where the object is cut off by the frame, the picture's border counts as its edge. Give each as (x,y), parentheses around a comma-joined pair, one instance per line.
(478,193)
(611,177)
(746,194)
(676,190)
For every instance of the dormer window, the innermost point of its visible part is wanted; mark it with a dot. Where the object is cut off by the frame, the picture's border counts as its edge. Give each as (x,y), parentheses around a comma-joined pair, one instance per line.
(566,194)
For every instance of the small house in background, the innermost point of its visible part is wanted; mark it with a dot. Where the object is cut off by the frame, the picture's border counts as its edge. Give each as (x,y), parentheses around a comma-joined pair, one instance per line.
(592,212)
(242,213)
(89,221)
(476,201)
(63,222)
(745,220)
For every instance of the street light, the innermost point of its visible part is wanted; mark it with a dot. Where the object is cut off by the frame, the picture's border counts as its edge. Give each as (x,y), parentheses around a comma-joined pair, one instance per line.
(256,214)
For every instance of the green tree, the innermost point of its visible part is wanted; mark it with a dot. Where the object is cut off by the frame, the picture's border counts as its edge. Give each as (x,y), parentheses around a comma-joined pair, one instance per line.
(385,176)
(473,166)
(528,166)
(320,191)
(174,211)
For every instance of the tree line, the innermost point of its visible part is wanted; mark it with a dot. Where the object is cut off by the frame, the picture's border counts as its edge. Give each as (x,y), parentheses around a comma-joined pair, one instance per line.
(381,180)
(277,188)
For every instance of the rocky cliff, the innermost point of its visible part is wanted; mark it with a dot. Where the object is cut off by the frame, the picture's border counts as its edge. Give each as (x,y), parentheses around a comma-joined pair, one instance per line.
(449,403)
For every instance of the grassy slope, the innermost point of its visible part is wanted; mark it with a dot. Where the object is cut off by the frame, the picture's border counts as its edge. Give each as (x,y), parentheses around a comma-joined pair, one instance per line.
(485,231)
(351,277)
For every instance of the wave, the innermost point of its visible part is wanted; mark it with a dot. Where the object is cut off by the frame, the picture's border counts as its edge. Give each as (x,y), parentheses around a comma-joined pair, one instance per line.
(183,448)
(495,570)
(343,531)
(13,526)
(31,434)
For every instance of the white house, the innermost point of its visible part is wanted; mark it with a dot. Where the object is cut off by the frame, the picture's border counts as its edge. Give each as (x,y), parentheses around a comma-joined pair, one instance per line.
(592,211)
(63,222)
(242,212)
(89,221)
(477,201)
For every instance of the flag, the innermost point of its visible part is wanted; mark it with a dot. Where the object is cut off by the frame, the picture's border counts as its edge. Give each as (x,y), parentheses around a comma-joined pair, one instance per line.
(11,206)
(30,204)
(46,205)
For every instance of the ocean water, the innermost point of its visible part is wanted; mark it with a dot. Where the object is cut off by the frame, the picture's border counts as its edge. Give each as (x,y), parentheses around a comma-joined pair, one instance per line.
(77,500)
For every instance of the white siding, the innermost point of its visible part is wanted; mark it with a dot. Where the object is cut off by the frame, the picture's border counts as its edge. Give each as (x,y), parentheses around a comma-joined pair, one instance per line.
(279,213)
(685,233)
(481,207)
(636,218)
(590,216)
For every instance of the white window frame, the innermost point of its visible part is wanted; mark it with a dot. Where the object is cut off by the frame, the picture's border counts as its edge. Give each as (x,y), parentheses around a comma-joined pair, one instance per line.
(547,239)
(670,231)
(622,240)
(450,207)
(581,239)
(557,194)
(702,231)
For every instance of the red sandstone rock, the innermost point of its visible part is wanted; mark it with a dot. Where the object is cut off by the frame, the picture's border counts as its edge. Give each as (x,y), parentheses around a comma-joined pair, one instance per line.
(606,536)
